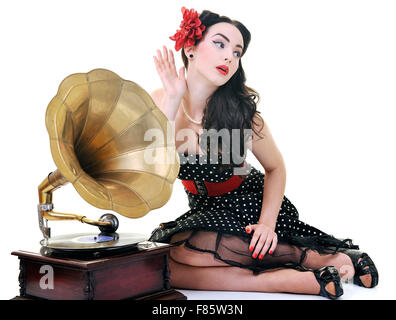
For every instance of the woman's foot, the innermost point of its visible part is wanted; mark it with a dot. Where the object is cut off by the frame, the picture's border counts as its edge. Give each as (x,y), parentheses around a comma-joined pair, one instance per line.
(329,281)
(366,274)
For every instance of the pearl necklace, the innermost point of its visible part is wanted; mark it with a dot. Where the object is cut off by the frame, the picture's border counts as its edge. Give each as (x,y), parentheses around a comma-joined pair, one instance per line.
(188,116)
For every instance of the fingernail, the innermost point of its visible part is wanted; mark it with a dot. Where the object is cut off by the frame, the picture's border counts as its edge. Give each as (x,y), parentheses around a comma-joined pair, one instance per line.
(251,248)
(255,255)
(248,230)
(270,252)
(261,256)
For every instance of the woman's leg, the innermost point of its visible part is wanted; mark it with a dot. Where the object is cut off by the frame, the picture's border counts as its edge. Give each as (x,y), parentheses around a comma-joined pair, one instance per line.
(341,261)
(238,279)
(191,269)
(312,260)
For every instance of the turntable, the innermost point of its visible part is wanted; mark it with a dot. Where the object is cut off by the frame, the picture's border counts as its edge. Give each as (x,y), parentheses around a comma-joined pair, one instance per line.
(101,130)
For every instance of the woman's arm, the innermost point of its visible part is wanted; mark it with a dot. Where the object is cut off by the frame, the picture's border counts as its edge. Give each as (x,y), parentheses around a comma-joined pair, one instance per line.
(264,148)
(269,156)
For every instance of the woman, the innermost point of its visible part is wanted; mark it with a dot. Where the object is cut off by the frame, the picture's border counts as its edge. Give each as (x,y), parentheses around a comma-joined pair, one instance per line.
(241,233)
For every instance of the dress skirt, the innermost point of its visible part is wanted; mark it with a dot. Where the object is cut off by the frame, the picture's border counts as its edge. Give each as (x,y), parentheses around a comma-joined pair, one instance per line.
(217,224)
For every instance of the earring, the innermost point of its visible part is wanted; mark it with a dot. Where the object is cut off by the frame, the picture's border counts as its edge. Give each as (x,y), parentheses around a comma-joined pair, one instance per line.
(191,55)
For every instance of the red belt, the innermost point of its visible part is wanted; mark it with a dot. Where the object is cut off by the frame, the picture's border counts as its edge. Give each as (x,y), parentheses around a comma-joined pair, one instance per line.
(213,189)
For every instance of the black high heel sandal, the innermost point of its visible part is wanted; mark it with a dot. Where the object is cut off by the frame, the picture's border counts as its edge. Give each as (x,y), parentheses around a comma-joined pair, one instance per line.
(361,267)
(326,275)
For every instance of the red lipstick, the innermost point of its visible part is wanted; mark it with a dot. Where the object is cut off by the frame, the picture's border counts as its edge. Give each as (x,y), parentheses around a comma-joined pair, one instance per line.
(222,69)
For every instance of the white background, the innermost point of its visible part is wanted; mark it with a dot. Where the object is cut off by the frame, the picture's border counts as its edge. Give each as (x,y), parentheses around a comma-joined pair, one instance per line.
(325,71)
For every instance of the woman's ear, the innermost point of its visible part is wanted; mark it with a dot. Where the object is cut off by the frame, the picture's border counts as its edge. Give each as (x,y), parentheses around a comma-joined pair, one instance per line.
(189,50)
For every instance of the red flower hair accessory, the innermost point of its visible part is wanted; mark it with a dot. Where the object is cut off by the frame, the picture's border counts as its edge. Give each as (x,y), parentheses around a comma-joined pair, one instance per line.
(191,29)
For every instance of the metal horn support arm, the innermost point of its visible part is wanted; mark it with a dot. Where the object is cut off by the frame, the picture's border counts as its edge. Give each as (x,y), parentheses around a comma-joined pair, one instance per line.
(45,189)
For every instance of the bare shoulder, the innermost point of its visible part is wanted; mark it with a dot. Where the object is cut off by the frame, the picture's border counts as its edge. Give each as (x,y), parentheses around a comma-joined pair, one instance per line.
(157,95)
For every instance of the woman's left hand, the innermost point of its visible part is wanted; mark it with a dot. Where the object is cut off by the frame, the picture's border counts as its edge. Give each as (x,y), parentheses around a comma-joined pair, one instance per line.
(264,238)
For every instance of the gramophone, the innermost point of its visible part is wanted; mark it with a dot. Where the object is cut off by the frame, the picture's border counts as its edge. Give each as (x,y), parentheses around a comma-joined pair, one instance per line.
(111,142)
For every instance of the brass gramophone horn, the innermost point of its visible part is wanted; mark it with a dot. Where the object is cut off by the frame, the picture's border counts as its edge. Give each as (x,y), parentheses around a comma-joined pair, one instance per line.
(98,126)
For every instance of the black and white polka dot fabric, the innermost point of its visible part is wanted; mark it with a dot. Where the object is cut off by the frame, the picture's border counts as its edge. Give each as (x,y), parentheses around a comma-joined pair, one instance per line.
(232,212)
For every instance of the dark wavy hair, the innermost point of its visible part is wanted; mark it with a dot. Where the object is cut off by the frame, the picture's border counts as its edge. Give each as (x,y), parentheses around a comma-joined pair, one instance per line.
(233,105)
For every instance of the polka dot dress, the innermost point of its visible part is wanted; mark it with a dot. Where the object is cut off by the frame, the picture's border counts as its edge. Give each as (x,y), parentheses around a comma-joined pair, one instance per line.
(232,212)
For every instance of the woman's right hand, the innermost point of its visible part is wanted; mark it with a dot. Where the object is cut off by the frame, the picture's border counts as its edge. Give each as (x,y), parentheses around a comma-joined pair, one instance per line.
(175,85)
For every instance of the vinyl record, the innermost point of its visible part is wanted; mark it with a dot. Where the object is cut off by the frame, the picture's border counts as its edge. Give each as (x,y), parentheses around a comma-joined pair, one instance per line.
(90,244)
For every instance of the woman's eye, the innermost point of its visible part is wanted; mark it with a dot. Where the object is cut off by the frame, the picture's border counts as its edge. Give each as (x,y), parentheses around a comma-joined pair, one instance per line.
(222,44)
